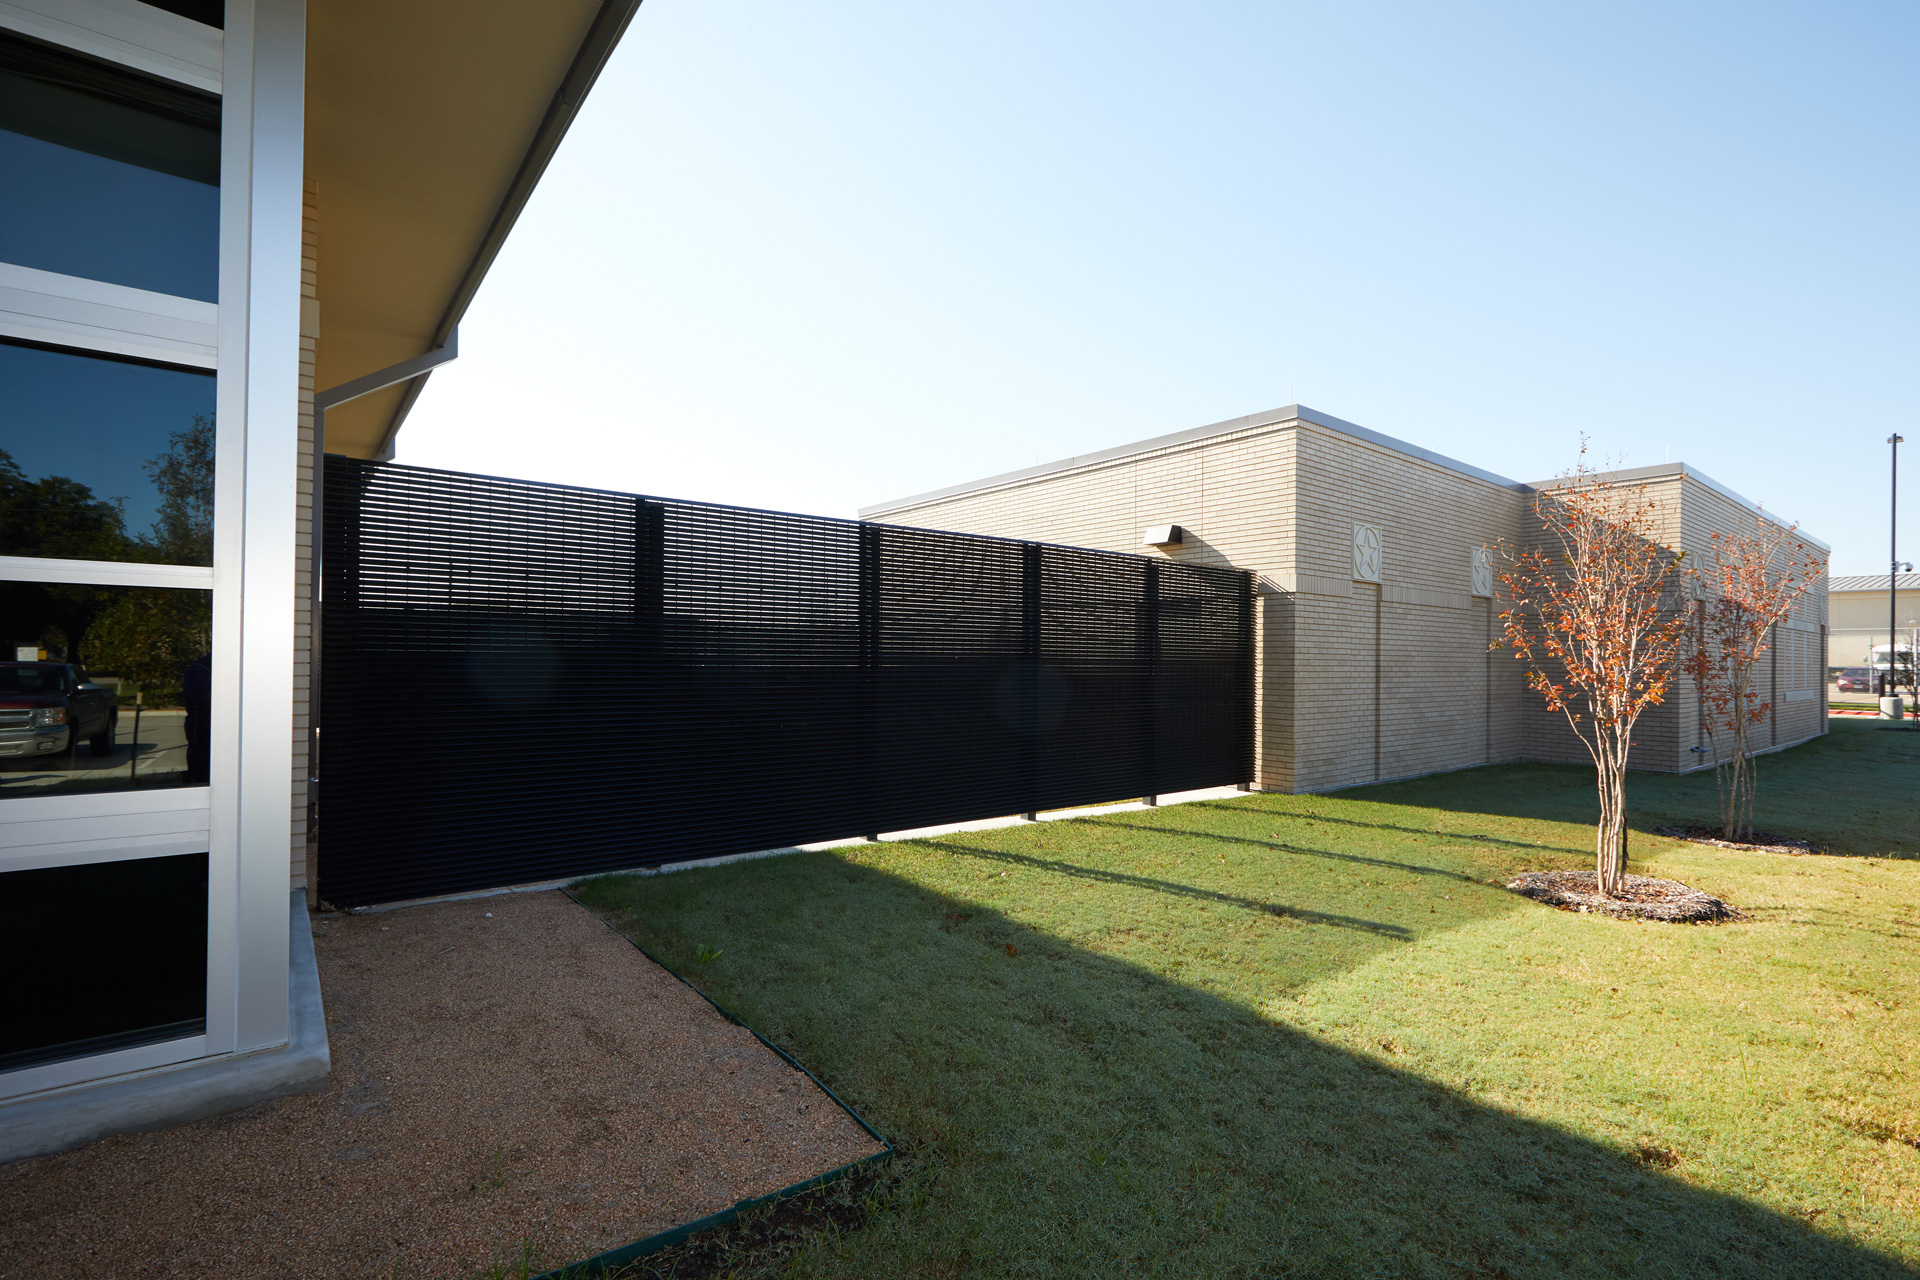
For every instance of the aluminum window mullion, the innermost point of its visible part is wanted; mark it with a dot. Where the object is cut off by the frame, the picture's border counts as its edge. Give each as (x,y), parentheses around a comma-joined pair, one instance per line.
(255,545)
(124,31)
(96,315)
(106,573)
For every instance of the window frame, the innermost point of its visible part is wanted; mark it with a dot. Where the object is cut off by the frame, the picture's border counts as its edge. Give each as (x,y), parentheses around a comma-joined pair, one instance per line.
(126,32)
(250,339)
(95,317)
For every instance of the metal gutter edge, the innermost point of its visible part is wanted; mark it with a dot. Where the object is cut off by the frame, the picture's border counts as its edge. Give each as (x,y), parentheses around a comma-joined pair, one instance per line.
(1273,417)
(62,1119)
(604,33)
(602,1263)
(1662,470)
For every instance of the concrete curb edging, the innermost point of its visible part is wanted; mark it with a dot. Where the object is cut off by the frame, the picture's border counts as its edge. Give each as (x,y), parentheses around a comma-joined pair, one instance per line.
(887,837)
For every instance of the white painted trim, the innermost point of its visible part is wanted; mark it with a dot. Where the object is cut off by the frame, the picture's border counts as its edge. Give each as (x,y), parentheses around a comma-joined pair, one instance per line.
(106,573)
(72,311)
(56,1075)
(47,808)
(124,31)
(132,849)
(35,832)
(251,731)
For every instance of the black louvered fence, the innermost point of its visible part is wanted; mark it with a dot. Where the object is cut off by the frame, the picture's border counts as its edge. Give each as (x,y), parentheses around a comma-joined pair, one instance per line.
(528,681)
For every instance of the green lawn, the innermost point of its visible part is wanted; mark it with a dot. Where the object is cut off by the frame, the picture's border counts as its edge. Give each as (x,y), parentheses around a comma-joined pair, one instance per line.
(1313,1036)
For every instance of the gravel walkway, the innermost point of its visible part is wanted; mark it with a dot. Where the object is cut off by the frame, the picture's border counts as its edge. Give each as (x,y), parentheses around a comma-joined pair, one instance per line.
(496,1077)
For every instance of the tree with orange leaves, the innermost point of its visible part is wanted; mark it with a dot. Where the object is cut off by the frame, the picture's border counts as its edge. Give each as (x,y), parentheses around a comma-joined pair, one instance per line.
(1598,616)
(1749,585)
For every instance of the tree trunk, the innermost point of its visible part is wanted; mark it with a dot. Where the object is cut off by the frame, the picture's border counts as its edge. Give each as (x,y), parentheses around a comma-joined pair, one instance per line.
(1610,851)
(1736,799)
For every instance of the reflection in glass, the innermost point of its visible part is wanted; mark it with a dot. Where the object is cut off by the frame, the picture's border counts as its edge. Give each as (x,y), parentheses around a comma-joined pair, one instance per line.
(212,13)
(104,459)
(103,688)
(108,174)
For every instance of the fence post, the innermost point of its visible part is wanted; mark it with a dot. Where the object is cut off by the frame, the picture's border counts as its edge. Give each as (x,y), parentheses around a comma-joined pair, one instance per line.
(1150,696)
(1030,746)
(870,693)
(1249,750)
(653,686)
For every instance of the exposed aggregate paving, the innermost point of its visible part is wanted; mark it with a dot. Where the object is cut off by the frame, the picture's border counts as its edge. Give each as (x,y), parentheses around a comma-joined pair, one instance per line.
(503,1069)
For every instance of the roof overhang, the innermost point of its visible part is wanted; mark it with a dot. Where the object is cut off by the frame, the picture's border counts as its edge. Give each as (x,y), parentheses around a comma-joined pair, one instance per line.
(428,124)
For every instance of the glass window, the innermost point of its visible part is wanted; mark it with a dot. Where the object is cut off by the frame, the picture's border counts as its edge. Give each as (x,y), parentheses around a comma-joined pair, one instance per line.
(100,957)
(211,12)
(104,459)
(103,688)
(110,175)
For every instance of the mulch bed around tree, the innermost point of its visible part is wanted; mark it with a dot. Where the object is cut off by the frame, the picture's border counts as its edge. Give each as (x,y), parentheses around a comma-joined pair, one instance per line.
(1763,841)
(1641,897)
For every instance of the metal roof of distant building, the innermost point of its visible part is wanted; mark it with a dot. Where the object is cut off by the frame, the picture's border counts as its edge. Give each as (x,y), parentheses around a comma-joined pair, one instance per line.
(1301,413)
(1873,582)
(1272,417)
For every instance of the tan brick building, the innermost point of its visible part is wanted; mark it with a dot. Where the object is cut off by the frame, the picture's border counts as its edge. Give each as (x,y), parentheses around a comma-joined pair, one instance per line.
(1375,612)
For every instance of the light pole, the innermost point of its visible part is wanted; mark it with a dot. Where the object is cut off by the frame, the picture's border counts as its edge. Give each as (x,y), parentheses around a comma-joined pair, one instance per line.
(1893,568)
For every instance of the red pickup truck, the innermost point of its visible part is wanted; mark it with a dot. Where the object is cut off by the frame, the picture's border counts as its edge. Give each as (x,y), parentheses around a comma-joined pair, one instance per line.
(49,708)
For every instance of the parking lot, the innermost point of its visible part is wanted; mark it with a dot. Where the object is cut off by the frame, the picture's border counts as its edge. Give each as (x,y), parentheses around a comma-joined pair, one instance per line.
(156,757)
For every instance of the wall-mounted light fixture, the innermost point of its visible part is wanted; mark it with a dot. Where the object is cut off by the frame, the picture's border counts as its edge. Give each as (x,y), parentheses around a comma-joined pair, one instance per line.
(1163,535)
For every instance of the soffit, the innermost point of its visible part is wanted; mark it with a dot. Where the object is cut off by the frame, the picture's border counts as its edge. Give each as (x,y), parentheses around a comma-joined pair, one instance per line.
(419,116)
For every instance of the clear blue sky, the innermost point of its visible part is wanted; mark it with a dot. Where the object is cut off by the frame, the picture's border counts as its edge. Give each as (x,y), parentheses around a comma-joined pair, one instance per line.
(813,256)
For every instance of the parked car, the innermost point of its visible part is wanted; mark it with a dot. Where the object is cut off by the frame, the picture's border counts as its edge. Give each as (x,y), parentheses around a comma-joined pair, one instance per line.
(1855,680)
(48,708)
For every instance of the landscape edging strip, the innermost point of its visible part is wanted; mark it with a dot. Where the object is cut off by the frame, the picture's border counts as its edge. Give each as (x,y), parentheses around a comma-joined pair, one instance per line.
(602,1263)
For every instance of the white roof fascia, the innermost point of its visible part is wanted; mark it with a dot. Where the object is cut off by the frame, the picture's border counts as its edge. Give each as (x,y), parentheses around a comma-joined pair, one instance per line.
(1273,417)
(1663,470)
(1301,413)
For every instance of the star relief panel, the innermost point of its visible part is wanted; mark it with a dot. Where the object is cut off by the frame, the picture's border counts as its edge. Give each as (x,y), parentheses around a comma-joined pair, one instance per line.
(1482,572)
(1366,553)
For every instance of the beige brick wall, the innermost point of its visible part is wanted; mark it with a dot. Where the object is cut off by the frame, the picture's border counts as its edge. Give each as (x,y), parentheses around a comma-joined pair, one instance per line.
(303,639)
(1792,675)
(1688,512)
(1356,681)
(1662,734)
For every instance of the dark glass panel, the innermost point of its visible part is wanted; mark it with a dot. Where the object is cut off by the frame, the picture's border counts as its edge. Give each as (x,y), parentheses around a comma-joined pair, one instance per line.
(101,957)
(108,174)
(211,12)
(102,688)
(104,459)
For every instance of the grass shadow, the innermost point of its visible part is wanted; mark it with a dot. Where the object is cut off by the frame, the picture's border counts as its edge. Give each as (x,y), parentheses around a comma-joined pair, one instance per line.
(1125,880)
(1076,1112)
(1171,822)
(1853,792)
